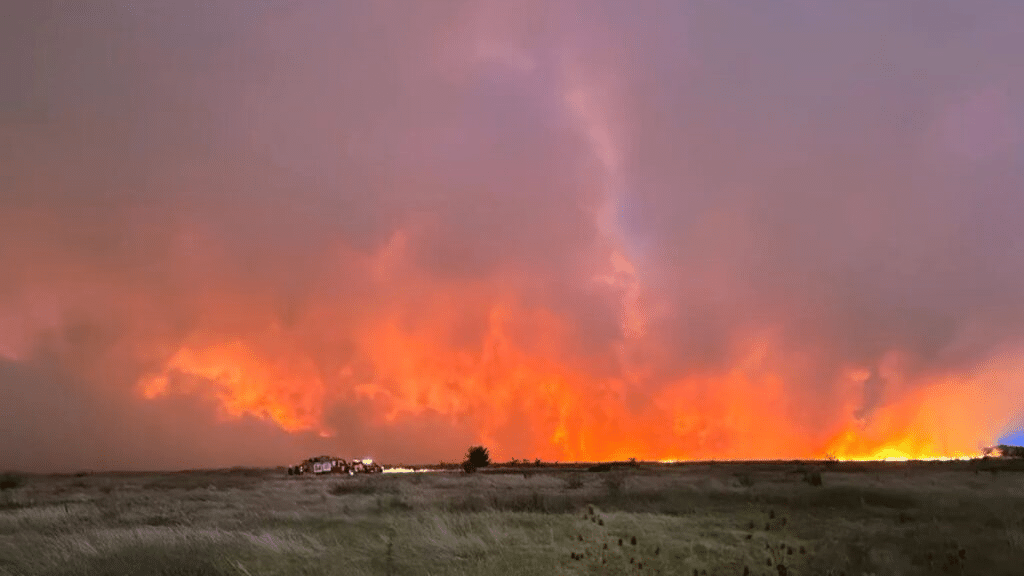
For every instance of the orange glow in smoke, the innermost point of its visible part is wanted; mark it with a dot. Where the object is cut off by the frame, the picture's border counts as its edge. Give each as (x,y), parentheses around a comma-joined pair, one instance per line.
(948,418)
(475,353)
(512,385)
(289,394)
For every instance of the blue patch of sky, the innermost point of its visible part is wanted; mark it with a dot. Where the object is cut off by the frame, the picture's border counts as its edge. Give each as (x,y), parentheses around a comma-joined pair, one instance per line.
(1014,434)
(1015,438)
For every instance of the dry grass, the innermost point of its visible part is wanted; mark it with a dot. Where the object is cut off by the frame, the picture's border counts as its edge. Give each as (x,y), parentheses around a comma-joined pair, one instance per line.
(706,519)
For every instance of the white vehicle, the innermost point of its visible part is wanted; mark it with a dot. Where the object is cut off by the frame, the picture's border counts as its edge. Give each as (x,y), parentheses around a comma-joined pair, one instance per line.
(332,465)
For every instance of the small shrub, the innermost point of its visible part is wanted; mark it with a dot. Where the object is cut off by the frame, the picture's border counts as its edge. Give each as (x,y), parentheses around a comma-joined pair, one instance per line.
(831,461)
(478,456)
(813,477)
(10,481)
(468,467)
(848,497)
(155,559)
(532,502)
(343,488)
(614,483)
(395,502)
(160,520)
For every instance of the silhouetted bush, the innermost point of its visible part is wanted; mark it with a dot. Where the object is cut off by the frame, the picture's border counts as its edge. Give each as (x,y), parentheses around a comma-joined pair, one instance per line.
(361,487)
(745,480)
(831,461)
(155,559)
(478,456)
(1011,451)
(813,477)
(851,497)
(468,467)
(574,481)
(614,483)
(9,481)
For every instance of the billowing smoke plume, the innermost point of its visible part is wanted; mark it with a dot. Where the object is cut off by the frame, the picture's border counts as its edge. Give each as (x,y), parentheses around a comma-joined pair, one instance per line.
(240,232)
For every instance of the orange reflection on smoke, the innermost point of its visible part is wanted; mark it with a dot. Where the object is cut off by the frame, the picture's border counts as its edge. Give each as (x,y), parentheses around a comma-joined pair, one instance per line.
(953,417)
(287,392)
(519,382)
(491,382)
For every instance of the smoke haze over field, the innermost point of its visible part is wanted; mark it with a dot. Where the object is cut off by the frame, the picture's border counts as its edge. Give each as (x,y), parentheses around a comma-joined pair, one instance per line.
(243,232)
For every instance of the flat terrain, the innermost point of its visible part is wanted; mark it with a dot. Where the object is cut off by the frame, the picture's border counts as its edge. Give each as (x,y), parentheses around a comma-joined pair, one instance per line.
(718,518)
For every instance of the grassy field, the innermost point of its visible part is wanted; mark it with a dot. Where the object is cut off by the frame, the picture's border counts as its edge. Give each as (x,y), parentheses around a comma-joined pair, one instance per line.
(715,519)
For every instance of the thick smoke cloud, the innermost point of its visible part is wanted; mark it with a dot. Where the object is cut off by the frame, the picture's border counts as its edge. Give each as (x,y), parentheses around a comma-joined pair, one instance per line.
(244,232)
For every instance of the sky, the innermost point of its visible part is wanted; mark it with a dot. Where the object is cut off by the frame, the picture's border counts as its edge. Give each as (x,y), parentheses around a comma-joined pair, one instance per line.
(245,232)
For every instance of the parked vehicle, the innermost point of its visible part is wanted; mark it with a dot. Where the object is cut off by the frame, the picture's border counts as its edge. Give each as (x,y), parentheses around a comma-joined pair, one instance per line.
(332,465)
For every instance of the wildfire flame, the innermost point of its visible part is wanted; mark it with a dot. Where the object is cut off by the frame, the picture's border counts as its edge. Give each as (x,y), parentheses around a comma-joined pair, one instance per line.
(522,378)
(518,376)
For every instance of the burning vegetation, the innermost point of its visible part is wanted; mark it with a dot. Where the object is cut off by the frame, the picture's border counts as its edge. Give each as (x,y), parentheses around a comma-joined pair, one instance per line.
(1004,451)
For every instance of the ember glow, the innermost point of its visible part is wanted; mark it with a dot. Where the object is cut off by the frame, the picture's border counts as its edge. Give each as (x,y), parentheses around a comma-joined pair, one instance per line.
(240,233)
